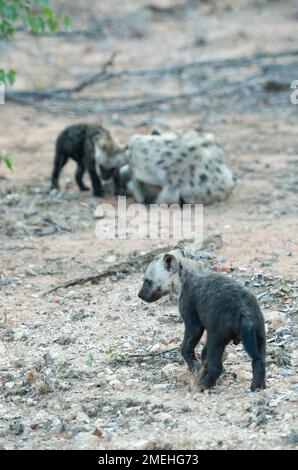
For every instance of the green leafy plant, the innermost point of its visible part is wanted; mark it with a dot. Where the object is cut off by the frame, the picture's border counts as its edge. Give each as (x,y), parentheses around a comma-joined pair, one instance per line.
(6,159)
(8,78)
(35,16)
(109,352)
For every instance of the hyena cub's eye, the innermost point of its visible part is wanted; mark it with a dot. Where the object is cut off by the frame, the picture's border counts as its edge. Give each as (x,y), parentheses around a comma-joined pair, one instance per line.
(148,283)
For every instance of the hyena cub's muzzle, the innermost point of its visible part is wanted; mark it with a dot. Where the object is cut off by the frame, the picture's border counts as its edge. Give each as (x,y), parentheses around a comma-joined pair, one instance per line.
(150,293)
(107,173)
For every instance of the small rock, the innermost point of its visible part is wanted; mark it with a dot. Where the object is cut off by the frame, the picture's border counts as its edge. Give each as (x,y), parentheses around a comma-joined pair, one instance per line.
(131,382)
(72,416)
(116,384)
(165,417)
(243,376)
(82,417)
(9,385)
(16,427)
(143,340)
(143,445)
(186,409)
(294,379)
(184,378)
(156,348)
(30,271)
(64,340)
(285,372)
(276,318)
(161,386)
(168,370)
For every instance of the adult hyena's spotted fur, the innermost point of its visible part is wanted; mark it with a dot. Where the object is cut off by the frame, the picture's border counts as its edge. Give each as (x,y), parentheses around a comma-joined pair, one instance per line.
(178,167)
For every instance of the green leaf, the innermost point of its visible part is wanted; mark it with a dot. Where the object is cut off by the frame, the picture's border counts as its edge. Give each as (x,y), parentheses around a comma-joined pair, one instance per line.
(8,162)
(47,12)
(109,352)
(7,77)
(52,25)
(11,76)
(6,159)
(66,22)
(41,24)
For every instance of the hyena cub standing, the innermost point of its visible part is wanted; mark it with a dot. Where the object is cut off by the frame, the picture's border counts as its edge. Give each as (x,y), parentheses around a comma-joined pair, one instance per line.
(88,145)
(211,302)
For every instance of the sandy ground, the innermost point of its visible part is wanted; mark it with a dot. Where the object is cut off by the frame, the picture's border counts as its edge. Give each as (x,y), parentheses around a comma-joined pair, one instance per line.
(69,376)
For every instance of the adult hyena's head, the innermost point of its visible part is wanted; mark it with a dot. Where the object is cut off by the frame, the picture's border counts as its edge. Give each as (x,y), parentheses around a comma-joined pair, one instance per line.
(162,276)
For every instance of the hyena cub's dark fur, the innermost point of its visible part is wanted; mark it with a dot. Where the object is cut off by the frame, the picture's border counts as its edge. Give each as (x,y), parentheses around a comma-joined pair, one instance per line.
(88,145)
(211,302)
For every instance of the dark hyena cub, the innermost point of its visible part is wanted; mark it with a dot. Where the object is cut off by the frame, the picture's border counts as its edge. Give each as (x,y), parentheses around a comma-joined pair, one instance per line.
(211,302)
(88,145)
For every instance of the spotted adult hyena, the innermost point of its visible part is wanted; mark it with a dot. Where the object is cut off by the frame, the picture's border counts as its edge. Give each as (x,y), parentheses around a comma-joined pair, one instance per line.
(178,168)
(90,146)
(212,302)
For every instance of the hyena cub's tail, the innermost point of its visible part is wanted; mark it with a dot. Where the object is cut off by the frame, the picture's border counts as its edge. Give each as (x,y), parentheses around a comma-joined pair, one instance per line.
(59,162)
(249,338)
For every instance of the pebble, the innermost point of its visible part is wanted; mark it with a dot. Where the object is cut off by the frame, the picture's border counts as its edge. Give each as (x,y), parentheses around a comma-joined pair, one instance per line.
(294,379)
(144,445)
(276,318)
(116,384)
(184,378)
(161,386)
(144,340)
(9,385)
(285,372)
(169,369)
(243,376)
(82,417)
(156,348)
(131,382)
(165,417)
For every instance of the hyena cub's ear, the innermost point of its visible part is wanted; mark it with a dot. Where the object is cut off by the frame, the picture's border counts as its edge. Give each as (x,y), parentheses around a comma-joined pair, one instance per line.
(171,263)
(180,249)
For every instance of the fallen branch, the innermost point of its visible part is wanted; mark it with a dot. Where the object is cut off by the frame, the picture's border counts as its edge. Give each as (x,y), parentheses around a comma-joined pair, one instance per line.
(177,69)
(15,95)
(167,10)
(149,354)
(123,267)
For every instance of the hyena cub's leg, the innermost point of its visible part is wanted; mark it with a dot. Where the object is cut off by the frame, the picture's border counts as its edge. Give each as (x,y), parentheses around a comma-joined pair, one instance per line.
(96,183)
(90,165)
(213,368)
(192,336)
(254,343)
(60,161)
(258,366)
(204,361)
(79,177)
